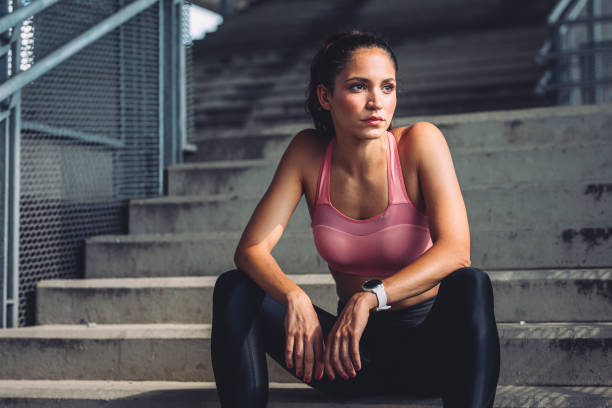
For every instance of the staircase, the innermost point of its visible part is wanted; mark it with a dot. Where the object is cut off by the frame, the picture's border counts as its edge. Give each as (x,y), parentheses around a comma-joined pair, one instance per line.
(454,56)
(136,331)
(537,184)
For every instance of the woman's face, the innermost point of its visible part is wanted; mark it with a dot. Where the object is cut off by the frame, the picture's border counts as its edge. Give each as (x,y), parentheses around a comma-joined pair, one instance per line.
(364,88)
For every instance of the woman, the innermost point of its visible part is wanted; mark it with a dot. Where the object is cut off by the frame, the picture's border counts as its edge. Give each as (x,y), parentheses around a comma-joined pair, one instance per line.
(389,218)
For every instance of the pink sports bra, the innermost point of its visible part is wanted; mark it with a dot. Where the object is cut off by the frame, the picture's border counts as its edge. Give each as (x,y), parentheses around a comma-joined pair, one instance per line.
(376,246)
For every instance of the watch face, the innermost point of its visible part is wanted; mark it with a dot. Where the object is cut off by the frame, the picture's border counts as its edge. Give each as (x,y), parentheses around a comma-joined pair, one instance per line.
(372,283)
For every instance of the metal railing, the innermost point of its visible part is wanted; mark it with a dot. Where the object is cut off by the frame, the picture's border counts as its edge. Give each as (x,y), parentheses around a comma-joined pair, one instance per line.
(576,53)
(105,149)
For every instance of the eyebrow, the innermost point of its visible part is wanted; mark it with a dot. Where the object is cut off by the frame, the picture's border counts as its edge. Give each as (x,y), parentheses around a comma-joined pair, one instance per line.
(367,80)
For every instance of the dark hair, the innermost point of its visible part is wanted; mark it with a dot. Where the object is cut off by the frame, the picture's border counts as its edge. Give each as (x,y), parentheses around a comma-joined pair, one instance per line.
(329,60)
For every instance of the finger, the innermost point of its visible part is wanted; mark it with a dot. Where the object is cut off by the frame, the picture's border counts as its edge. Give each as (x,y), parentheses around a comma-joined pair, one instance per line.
(335,357)
(327,358)
(355,353)
(308,359)
(289,352)
(347,364)
(319,349)
(298,356)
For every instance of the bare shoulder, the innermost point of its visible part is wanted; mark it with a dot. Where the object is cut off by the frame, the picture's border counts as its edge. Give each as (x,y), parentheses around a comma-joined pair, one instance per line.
(305,148)
(416,140)
(307,141)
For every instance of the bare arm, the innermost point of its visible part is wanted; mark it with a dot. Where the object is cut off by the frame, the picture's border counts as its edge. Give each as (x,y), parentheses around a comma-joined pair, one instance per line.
(304,345)
(268,222)
(447,216)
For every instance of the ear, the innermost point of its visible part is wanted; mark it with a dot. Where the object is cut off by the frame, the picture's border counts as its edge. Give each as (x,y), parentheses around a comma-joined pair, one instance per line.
(323,95)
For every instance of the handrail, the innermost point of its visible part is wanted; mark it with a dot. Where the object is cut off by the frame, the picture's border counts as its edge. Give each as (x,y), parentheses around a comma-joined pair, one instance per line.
(66,51)
(567,13)
(170,101)
(578,21)
(22,13)
(559,11)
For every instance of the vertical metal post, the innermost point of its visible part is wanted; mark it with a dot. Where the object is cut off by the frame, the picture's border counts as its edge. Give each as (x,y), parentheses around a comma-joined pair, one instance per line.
(161,90)
(169,136)
(176,41)
(555,48)
(12,300)
(598,66)
(588,67)
(117,163)
(4,178)
(181,82)
(169,89)
(10,137)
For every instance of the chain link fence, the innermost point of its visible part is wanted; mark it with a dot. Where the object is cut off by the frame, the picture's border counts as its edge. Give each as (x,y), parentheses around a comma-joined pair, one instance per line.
(90,137)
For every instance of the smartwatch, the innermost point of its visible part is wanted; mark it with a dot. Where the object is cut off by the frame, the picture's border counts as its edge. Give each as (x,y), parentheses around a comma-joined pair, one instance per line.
(376,286)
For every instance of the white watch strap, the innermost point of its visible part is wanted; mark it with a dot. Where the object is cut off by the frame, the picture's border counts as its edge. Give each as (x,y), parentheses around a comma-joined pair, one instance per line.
(379,291)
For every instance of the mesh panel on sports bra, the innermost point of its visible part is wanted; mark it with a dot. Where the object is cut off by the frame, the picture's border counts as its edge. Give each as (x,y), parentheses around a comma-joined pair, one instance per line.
(376,246)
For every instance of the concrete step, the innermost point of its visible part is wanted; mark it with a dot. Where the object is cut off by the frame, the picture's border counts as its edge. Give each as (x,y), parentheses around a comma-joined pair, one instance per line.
(186,254)
(430,90)
(455,100)
(541,295)
(483,168)
(485,129)
(447,42)
(211,253)
(481,98)
(413,72)
(421,85)
(200,213)
(161,394)
(242,146)
(501,206)
(547,126)
(531,354)
(458,59)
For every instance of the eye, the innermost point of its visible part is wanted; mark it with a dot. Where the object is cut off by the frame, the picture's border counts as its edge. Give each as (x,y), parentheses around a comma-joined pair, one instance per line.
(354,85)
(389,87)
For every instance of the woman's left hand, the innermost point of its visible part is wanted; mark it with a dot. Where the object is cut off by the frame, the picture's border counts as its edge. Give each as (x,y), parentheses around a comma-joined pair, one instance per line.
(342,346)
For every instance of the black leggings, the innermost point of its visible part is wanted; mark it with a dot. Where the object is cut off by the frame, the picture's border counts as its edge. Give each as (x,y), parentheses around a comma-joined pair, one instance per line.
(453,353)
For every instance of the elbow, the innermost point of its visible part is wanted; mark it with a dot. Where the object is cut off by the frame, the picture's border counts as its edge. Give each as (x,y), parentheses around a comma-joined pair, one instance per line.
(463,257)
(239,257)
(243,256)
(457,254)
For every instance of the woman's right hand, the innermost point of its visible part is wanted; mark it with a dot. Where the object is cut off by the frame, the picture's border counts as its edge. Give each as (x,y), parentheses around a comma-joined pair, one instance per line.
(305,343)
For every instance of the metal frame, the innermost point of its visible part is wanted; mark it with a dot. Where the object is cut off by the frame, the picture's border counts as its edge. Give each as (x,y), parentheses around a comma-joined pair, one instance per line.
(172,91)
(172,114)
(9,181)
(60,55)
(564,15)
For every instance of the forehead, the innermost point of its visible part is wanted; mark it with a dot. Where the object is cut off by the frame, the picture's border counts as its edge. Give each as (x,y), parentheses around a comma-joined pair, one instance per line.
(369,62)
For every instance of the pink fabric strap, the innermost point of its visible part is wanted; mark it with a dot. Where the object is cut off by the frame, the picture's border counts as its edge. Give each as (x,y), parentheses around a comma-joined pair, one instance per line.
(376,246)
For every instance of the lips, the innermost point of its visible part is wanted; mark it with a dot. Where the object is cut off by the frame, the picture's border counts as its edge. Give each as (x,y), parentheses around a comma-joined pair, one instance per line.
(373,120)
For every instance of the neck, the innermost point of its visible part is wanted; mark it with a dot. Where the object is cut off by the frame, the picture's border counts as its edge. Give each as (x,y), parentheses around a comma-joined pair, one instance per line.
(358,157)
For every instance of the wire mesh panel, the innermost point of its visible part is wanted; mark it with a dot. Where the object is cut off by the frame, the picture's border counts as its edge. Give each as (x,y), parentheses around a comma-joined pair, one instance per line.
(90,138)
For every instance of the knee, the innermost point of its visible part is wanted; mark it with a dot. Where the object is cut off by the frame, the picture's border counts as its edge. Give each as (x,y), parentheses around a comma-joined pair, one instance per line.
(471,287)
(472,279)
(229,285)
(228,279)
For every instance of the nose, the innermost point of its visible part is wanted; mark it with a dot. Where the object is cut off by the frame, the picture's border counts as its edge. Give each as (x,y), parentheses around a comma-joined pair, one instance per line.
(374,102)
